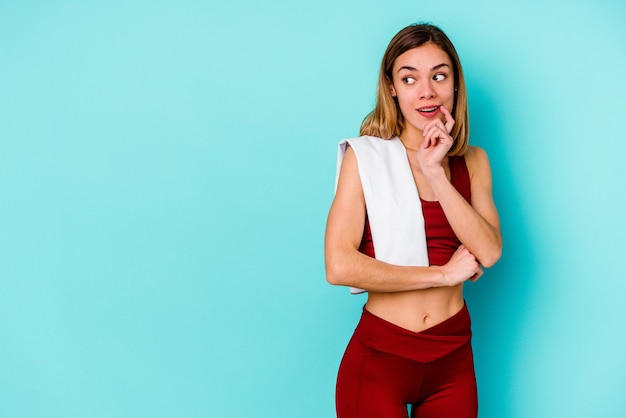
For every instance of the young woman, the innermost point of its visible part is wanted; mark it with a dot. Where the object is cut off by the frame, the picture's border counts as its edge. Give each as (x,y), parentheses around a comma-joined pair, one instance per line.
(413,218)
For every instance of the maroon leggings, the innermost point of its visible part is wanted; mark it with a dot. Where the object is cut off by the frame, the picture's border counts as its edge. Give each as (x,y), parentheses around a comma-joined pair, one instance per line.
(386,368)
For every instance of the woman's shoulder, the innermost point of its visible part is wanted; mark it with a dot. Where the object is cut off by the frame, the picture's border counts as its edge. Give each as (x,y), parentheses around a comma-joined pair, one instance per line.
(473,152)
(477,160)
(366,139)
(373,145)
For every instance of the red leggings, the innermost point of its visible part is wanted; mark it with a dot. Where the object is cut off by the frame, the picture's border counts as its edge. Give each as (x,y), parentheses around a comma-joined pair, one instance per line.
(386,368)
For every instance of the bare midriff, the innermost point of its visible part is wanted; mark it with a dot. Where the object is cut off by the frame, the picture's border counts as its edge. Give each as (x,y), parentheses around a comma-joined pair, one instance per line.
(417,310)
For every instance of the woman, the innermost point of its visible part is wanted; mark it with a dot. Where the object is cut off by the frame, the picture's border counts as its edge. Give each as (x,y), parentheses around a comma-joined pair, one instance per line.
(413,218)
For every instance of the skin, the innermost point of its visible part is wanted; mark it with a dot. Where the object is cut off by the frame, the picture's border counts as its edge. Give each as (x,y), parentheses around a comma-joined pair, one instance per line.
(417,298)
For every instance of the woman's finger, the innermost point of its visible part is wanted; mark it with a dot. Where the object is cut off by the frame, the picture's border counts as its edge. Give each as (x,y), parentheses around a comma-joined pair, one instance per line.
(449,119)
(435,133)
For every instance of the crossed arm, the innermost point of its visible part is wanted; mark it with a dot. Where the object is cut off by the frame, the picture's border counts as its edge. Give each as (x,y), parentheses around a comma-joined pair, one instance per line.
(476,225)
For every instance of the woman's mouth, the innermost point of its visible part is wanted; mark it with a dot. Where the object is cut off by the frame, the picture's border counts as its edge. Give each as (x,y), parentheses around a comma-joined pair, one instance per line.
(429,112)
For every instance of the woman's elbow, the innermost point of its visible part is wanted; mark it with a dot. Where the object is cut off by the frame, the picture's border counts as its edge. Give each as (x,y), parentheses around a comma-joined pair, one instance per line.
(490,259)
(335,272)
(333,276)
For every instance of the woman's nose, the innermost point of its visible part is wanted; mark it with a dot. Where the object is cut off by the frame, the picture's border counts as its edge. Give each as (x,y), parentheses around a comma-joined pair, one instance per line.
(426,90)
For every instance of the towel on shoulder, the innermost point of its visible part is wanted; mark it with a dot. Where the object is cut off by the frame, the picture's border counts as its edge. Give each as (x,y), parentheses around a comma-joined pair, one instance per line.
(392,200)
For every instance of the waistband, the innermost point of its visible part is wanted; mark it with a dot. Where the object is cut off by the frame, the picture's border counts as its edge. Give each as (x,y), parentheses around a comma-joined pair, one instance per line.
(425,346)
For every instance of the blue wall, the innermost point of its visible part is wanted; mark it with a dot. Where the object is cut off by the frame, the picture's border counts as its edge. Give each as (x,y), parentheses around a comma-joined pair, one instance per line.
(166,170)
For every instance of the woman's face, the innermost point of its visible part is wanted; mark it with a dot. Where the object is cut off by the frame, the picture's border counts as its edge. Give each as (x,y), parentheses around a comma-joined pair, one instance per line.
(423,80)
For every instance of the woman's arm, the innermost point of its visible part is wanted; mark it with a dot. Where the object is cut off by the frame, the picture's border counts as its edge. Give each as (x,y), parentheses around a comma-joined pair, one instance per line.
(477,225)
(346,266)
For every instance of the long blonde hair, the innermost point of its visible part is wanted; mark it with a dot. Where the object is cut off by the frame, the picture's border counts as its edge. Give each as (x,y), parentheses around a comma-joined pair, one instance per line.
(386,120)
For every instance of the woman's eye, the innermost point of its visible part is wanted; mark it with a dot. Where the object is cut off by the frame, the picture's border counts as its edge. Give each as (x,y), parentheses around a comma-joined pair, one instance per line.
(439,77)
(408,80)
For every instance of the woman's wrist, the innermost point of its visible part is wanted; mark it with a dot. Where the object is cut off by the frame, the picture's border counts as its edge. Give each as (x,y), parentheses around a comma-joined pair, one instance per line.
(439,279)
(435,174)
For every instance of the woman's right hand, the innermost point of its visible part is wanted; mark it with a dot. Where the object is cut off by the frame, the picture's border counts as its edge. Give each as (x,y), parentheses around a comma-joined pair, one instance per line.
(462,266)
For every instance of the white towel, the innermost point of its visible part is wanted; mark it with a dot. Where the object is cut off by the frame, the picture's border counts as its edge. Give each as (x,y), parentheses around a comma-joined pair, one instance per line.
(393,204)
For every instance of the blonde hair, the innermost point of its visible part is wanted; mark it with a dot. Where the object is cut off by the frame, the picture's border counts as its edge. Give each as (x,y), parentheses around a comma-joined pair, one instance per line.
(386,120)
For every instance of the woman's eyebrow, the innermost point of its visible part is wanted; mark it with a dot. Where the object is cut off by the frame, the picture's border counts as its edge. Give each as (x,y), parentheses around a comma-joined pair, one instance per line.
(406,67)
(436,67)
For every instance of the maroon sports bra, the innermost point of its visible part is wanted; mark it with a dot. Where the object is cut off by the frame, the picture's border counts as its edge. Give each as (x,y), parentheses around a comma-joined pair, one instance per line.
(440,238)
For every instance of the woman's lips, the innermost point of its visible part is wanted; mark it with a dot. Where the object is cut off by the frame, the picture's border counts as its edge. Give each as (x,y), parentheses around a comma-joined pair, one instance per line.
(428,111)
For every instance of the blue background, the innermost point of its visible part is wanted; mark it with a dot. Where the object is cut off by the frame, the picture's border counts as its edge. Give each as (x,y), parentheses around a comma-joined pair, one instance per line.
(166,168)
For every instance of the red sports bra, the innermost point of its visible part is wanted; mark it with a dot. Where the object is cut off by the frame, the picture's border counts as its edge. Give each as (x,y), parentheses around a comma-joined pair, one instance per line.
(440,238)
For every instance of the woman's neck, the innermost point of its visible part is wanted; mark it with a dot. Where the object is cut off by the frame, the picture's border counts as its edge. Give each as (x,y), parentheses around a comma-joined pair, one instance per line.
(412,139)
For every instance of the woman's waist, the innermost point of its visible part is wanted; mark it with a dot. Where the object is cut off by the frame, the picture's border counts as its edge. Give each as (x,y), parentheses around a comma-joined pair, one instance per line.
(425,346)
(418,310)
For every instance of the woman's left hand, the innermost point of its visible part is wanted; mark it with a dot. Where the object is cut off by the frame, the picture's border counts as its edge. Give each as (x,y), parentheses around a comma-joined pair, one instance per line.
(437,142)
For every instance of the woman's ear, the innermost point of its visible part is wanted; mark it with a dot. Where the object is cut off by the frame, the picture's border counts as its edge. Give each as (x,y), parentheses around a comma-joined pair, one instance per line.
(391,89)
